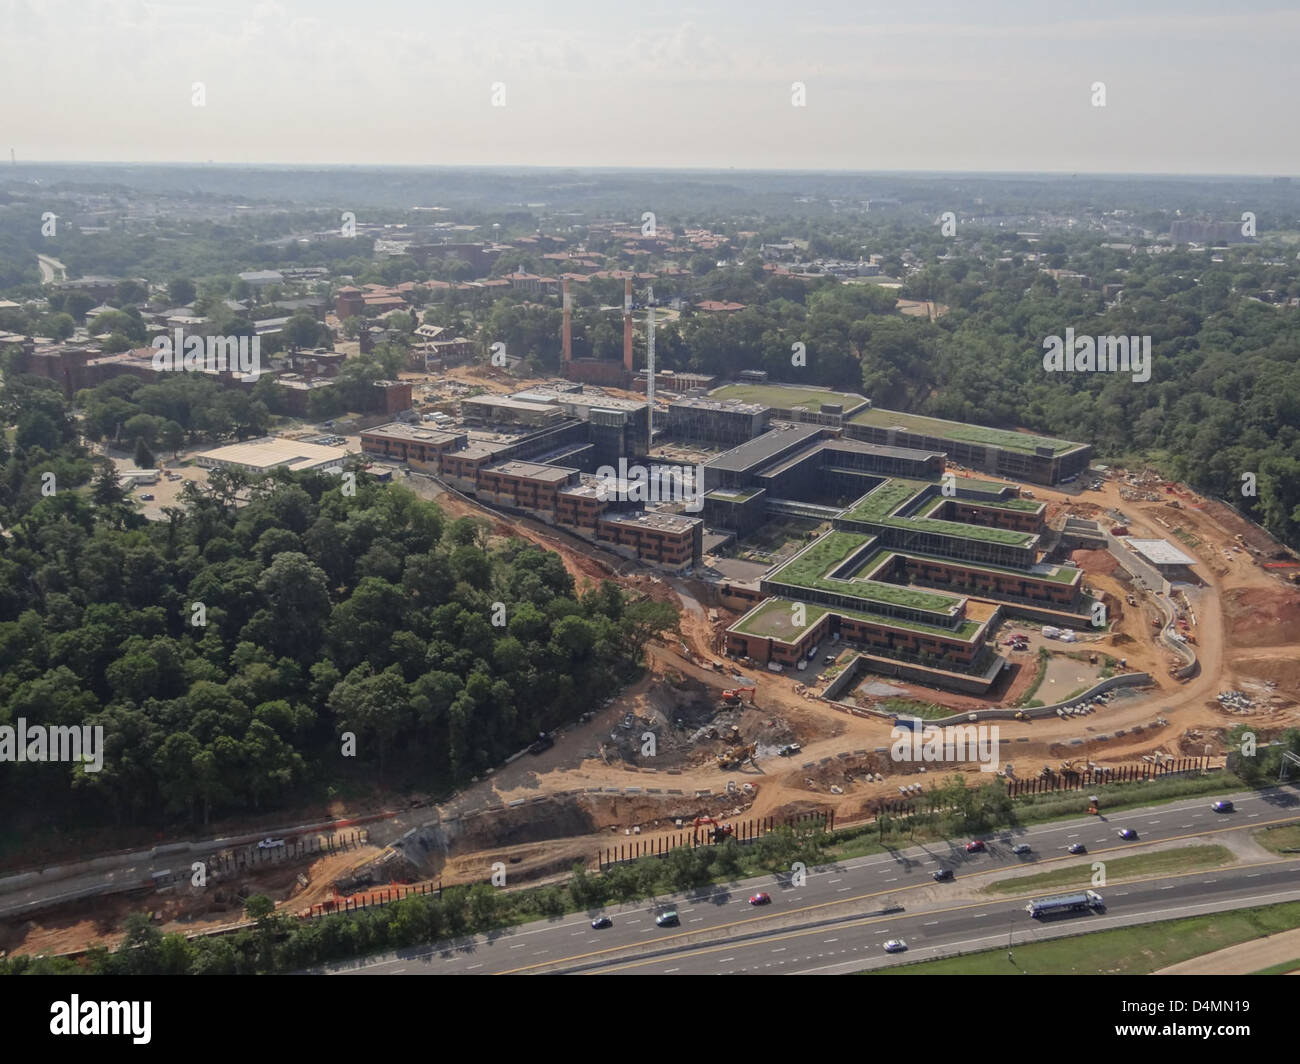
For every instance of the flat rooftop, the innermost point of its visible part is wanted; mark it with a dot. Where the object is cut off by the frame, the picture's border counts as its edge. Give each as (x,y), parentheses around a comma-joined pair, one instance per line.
(730,406)
(400,430)
(533,471)
(1008,439)
(1158,551)
(269,454)
(763,448)
(789,396)
(663,522)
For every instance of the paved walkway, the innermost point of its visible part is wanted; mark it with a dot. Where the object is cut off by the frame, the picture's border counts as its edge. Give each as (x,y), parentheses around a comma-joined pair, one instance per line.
(1242,959)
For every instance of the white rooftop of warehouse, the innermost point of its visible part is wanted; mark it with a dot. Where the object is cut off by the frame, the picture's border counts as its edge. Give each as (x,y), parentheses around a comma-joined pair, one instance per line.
(268,453)
(1159,551)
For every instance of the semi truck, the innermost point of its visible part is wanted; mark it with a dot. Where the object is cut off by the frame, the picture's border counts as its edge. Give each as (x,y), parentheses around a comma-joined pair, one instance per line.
(1065,903)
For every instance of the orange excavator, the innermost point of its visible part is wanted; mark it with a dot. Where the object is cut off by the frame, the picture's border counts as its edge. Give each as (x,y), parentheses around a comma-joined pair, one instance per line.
(717,833)
(736,696)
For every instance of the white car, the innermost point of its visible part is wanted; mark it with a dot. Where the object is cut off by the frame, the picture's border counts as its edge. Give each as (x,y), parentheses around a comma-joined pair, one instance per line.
(895,945)
(270,844)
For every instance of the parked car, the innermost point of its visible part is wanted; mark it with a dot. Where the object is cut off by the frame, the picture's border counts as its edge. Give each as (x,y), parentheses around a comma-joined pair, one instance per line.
(601,922)
(943,875)
(1128,833)
(668,918)
(790,749)
(146,497)
(761,898)
(975,846)
(1078,847)
(1222,806)
(895,945)
(1021,848)
(270,844)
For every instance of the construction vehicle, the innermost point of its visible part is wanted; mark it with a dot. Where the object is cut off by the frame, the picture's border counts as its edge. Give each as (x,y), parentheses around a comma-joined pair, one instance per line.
(736,696)
(543,743)
(732,759)
(1092,805)
(716,833)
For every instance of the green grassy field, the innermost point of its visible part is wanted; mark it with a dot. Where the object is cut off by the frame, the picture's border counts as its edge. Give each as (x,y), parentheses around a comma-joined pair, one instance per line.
(1187,859)
(1136,950)
(1284,839)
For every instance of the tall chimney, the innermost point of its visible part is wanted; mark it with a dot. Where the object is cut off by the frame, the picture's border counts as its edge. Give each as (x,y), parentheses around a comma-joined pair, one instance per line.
(567,338)
(627,327)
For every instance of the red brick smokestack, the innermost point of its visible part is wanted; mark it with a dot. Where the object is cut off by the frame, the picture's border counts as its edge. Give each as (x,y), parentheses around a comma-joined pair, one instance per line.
(568,326)
(627,326)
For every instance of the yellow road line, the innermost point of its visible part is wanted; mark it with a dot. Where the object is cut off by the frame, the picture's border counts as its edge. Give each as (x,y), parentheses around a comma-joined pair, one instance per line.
(879,894)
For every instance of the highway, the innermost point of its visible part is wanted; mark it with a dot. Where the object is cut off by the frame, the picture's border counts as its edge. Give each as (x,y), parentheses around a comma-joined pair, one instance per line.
(847,901)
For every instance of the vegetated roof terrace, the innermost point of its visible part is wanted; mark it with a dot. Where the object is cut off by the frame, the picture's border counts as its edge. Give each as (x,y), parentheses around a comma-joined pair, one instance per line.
(1008,439)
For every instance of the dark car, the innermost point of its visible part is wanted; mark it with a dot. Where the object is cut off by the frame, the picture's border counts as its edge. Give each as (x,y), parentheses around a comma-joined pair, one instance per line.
(1128,833)
(1222,806)
(601,922)
(1021,848)
(668,919)
(942,875)
(1078,847)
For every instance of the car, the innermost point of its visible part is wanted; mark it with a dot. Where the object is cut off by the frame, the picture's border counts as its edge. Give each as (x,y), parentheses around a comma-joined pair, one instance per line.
(790,749)
(1078,847)
(1223,806)
(668,918)
(146,497)
(942,875)
(1021,848)
(975,846)
(1128,833)
(761,898)
(270,844)
(601,922)
(895,945)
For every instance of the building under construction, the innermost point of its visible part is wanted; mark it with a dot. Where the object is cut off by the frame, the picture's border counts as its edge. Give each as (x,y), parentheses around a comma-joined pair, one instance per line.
(602,371)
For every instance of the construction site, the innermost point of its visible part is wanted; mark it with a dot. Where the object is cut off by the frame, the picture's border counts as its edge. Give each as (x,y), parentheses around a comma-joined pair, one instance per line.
(845,572)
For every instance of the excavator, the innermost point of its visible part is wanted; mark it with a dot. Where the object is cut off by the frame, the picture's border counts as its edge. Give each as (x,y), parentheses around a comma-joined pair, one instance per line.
(735,697)
(717,832)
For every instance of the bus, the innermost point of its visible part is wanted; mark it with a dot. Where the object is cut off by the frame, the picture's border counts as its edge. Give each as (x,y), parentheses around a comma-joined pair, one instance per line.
(1065,903)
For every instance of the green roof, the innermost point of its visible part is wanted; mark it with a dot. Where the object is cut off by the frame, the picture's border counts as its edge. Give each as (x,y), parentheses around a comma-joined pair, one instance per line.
(784,397)
(877,506)
(732,494)
(809,569)
(773,620)
(956,430)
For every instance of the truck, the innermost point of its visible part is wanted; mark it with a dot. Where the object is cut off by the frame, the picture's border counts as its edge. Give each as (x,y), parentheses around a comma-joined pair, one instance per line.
(1051,632)
(775,666)
(1065,903)
(1119,530)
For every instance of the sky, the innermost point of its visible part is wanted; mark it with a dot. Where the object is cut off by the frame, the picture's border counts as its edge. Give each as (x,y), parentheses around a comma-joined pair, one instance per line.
(1190,87)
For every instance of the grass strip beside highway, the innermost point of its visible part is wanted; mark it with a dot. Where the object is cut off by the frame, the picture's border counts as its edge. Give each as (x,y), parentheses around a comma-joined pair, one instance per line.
(1185,859)
(1284,839)
(1138,950)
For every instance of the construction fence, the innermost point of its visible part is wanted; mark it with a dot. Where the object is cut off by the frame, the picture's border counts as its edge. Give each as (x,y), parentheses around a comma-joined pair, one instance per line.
(744,831)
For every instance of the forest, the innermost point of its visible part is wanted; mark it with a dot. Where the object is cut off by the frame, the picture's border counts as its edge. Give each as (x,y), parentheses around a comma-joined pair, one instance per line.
(275,639)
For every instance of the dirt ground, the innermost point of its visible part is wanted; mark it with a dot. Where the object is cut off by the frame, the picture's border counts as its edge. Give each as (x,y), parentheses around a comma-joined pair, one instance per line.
(1246,622)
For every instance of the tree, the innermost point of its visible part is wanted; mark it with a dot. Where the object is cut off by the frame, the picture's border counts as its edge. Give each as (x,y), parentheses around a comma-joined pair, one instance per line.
(180,292)
(144,458)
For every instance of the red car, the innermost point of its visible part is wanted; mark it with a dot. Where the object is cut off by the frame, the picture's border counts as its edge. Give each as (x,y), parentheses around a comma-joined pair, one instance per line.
(760,899)
(975,846)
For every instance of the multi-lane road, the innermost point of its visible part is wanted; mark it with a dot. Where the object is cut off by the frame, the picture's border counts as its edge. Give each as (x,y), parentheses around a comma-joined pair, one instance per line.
(838,917)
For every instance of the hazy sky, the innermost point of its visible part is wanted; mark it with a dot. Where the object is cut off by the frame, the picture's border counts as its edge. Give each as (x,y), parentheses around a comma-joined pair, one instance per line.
(1192,86)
